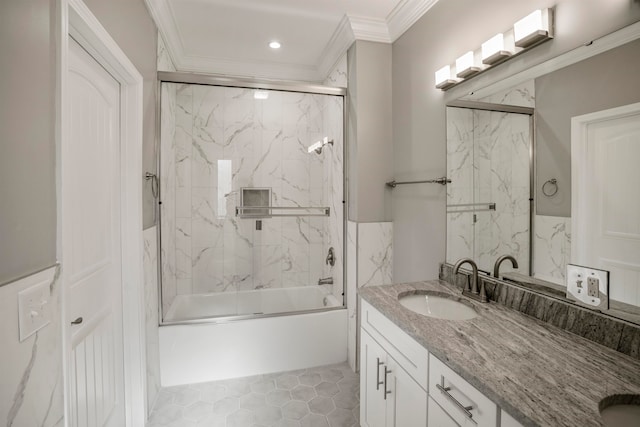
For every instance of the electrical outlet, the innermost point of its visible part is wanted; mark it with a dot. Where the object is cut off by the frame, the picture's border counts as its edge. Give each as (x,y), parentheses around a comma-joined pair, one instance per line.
(33,309)
(588,286)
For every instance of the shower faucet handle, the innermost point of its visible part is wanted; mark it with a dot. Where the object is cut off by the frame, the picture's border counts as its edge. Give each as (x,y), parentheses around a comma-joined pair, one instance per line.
(331,257)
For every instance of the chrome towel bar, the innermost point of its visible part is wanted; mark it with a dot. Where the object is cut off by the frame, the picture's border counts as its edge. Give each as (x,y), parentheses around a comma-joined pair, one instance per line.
(444,181)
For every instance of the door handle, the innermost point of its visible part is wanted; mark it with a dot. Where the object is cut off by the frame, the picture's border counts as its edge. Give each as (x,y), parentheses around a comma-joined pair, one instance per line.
(77,321)
(378,382)
(386,372)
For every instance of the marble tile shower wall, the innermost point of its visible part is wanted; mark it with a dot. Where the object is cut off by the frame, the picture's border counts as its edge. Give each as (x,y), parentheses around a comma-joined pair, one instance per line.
(551,248)
(150,268)
(488,162)
(224,140)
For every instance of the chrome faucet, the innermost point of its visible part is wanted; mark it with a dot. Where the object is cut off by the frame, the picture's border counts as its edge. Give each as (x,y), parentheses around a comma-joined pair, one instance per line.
(325,281)
(472,291)
(496,266)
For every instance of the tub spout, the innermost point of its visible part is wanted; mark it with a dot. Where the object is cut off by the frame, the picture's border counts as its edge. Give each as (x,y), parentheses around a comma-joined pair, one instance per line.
(326,281)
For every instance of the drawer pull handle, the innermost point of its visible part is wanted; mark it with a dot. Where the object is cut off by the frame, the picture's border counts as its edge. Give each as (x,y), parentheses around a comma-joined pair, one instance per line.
(386,372)
(465,409)
(378,382)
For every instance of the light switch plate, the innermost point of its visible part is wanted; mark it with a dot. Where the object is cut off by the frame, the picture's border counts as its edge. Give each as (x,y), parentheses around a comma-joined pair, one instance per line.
(34,311)
(588,286)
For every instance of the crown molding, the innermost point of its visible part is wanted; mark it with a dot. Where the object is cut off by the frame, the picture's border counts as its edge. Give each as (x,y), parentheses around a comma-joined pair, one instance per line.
(163,16)
(374,30)
(405,14)
(341,40)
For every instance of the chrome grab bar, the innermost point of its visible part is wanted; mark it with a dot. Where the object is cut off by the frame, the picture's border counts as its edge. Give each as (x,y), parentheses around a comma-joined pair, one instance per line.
(490,206)
(445,391)
(245,211)
(443,180)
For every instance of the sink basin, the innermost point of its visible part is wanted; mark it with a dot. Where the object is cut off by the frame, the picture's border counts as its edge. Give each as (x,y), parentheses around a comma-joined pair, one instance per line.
(438,305)
(620,410)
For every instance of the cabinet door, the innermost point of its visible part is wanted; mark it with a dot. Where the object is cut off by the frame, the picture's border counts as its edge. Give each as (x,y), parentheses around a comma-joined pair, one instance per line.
(438,417)
(407,401)
(507,420)
(372,367)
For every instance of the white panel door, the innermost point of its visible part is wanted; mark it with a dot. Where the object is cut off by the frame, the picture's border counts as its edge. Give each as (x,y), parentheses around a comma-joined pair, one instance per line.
(373,405)
(606,197)
(91,244)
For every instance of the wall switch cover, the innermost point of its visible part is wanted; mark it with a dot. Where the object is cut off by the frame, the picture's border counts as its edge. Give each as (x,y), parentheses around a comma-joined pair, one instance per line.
(588,286)
(34,311)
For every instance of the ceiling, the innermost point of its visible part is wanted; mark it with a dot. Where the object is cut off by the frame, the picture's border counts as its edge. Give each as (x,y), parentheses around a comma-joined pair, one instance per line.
(231,37)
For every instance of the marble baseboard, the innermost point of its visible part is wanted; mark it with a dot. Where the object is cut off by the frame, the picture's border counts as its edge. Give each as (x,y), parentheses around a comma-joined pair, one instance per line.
(616,334)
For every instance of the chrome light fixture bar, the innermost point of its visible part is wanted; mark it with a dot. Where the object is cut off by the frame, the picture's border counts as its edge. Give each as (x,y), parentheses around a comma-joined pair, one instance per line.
(528,32)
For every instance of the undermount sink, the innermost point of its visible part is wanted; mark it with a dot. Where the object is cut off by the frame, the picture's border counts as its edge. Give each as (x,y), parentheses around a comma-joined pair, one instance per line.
(438,305)
(620,410)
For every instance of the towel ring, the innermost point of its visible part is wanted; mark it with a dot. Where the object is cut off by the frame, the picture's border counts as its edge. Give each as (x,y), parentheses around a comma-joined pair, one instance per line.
(553,187)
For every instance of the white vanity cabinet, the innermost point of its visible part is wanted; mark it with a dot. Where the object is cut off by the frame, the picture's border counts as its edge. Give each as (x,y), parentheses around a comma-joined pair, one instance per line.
(393,374)
(507,420)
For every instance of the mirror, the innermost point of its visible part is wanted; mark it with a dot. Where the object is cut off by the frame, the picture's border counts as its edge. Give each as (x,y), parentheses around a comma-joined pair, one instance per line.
(509,156)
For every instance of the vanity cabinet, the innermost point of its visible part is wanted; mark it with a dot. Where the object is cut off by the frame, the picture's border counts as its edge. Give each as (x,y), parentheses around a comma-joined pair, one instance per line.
(402,385)
(393,374)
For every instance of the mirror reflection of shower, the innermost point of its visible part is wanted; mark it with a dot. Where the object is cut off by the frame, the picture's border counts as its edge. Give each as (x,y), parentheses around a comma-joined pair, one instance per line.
(317,147)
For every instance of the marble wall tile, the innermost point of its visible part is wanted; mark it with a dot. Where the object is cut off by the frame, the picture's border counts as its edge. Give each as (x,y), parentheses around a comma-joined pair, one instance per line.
(351,290)
(375,253)
(164,62)
(523,95)
(150,268)
(551,248)
(31,371)
(338,75)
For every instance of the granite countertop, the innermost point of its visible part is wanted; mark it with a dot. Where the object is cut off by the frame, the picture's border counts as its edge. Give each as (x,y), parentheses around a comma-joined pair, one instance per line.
(540,374)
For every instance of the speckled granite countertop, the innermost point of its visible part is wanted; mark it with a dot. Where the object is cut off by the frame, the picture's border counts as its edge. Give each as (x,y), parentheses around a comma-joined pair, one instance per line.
(540,374)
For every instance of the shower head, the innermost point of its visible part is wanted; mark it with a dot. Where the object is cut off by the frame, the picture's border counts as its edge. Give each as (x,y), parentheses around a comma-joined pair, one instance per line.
(317,147)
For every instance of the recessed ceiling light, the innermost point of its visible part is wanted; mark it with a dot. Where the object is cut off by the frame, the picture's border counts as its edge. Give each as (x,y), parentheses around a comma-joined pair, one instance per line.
(274,45)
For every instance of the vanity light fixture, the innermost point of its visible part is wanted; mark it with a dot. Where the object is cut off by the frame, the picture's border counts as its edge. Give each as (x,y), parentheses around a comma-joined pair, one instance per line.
(533,28)
(275,45)
(494,51)
(261,94)
(525,34)
(465,66)
(444,79)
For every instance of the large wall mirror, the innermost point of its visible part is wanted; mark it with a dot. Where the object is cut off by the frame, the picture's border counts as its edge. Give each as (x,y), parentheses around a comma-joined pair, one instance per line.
(523,179)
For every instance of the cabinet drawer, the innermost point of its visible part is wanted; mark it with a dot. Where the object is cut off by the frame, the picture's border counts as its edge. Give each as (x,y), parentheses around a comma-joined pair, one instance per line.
(413,357)
(454,394)
(507,420)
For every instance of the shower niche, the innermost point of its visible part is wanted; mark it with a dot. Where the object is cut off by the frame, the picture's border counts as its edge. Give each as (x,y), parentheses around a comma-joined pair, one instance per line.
(248,212)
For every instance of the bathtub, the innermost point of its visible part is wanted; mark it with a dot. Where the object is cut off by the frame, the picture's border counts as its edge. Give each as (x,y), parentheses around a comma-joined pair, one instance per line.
(253,339)
(249,303)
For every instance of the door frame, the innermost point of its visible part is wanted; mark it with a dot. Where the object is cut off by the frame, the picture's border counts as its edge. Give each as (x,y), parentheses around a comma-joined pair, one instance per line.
(77,21)
(579,133)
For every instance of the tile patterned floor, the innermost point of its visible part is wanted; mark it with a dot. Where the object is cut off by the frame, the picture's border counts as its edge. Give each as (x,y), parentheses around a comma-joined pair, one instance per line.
(326,396)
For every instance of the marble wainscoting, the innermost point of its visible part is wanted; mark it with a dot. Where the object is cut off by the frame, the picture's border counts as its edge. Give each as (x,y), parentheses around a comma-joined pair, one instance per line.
(151,315)
(370,263)
(31,371)
(616,334)
(551,248)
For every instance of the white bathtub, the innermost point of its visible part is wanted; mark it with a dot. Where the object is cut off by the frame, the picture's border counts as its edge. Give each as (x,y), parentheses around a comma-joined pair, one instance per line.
(242,303)
(210,351)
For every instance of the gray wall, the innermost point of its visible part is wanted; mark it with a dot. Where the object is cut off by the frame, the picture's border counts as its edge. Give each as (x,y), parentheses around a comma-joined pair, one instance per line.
(449,29)
(133,29)
(369,133)
(608,80)
(27,145)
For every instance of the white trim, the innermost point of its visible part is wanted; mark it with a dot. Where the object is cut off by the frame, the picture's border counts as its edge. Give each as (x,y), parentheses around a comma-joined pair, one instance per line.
(580,170)
(351,28)
(373,30)
(78,21)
